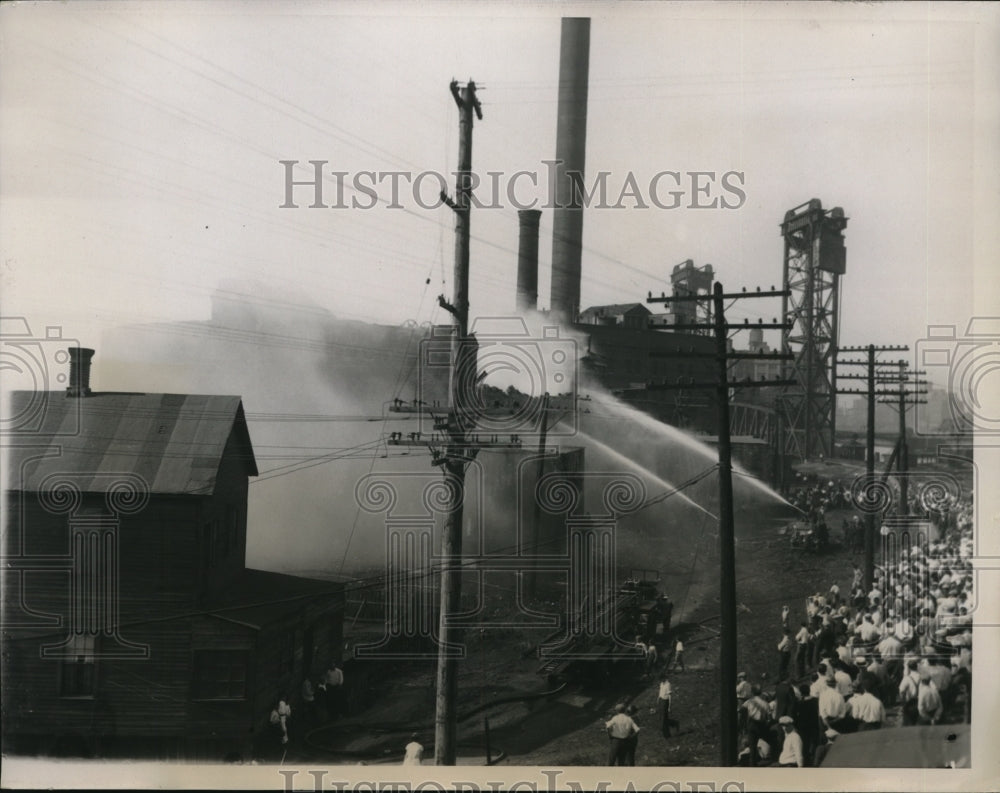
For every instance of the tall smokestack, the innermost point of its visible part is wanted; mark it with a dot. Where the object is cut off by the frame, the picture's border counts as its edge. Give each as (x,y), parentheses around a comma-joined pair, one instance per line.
(79,372)
(571,145)
(527,260)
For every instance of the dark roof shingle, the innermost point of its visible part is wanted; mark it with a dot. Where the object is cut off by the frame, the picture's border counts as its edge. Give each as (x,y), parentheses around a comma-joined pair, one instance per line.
(173,442)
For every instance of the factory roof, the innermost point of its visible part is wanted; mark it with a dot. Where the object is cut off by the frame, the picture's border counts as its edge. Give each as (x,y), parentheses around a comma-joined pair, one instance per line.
(615,309)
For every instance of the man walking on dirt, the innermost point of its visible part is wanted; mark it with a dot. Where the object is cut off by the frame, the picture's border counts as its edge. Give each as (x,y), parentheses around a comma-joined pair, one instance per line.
(678,659)
(663,700)
(620,727)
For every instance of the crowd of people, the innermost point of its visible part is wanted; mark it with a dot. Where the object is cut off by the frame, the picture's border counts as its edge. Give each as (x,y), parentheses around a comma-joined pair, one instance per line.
(319,703)
(815,498)
(896,653)
(623,727)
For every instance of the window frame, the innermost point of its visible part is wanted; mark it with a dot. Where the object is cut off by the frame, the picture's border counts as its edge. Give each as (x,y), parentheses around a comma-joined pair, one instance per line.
(199,660)
(83,650)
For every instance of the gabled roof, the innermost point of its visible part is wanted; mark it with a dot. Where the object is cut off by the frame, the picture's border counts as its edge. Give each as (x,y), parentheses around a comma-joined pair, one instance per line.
(614,310)
(174,442)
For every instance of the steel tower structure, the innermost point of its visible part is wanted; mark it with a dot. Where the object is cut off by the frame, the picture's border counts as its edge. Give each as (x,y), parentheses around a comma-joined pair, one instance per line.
(815,258)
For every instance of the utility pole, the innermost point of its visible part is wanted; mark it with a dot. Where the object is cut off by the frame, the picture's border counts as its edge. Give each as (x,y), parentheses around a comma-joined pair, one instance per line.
(778,438)
(904,457)
(903,378)
(537,506)
(727,545)
(463,365)
(871,529)
(729,725)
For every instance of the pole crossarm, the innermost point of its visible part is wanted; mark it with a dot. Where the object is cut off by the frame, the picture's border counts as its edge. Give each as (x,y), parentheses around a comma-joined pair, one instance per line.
(728,296)
(416,439)
(746,325)
(757,356)
(705,384)
(875,348)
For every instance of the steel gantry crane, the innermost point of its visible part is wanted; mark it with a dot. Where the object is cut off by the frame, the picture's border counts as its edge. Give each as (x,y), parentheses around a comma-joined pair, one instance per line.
(815,258)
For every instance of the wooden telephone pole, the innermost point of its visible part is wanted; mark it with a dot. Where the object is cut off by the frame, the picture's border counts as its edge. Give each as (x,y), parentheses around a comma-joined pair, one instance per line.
(463,365)
(870,361)
(906,393)
(729,726)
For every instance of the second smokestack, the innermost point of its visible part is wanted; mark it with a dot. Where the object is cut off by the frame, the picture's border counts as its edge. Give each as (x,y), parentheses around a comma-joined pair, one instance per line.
(527,260)
(79,371)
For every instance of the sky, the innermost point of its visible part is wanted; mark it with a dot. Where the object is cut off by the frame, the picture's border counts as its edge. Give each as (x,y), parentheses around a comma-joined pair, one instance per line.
(143,145)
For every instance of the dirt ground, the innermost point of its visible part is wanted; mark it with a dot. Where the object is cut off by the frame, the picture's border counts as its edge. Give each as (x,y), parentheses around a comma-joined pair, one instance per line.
(499,680)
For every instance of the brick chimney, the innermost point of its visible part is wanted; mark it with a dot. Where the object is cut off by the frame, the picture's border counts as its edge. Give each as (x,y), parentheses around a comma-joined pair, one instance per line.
(79,372)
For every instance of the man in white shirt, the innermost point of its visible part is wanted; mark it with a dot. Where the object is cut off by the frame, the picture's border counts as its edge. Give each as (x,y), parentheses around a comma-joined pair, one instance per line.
(791,750)
(743,692)
(843,682)
(757,711)
(619,727)
(784,653)
(856,579)
(414,752)
(678,659)
(832,707)
(819,684)
(929,705)
(333,683)
(940,674)
(663,699)
(801,650)
(866,709)
(643,648)
(890,648)
(867,630)
(908,690)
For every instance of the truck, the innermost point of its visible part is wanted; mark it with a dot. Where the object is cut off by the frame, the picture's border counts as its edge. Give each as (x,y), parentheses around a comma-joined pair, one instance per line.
(638,611)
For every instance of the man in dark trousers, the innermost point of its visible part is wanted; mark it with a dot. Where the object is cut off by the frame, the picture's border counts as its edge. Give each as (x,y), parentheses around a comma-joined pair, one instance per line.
(758,714)
(785,698)
(620,727)
(784,652)
(663,699)
(631,743)
(807,722)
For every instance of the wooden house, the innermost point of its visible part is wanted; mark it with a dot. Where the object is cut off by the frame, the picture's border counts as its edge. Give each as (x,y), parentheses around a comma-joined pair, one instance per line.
(131,625)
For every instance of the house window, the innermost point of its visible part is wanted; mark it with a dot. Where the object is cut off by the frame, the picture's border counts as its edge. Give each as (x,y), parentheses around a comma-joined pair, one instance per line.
(78,674)
(220,674)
